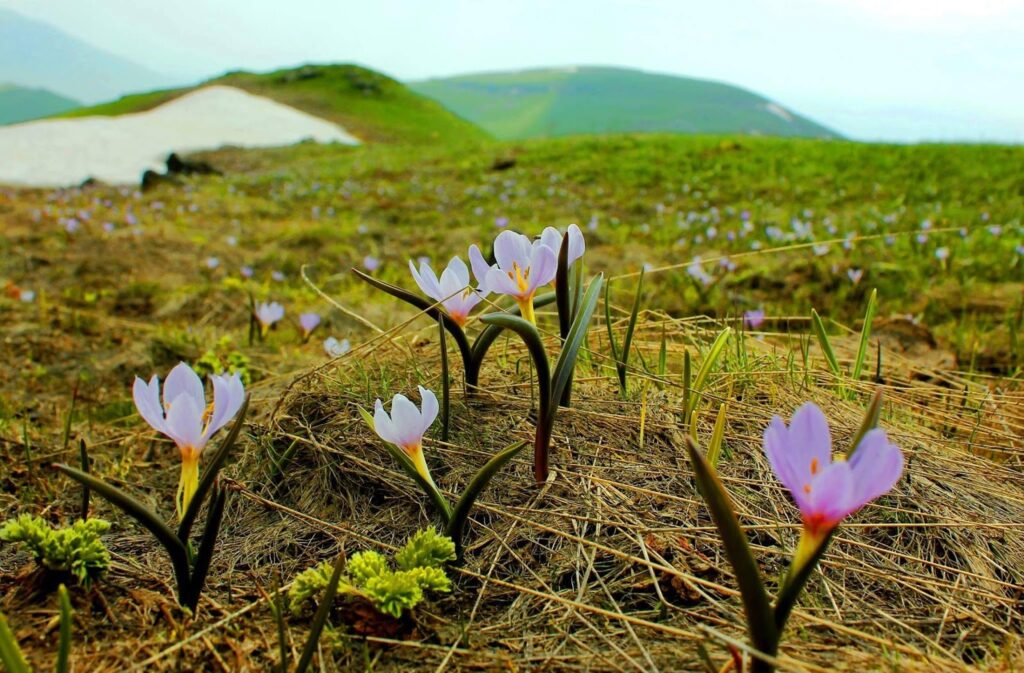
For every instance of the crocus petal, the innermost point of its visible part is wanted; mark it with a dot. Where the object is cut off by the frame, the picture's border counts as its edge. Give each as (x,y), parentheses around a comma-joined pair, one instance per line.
(577,245)
(499,281)
(543,267)
(787,462)
(480,266)
(551,237)
(147,401)
(228,394)
(510,249)
(426,280)
(877,465)
(810,437)
(382,424)
(183,381)
(458,268)
(185,423)
(430,408)
(831,494)
(407,420)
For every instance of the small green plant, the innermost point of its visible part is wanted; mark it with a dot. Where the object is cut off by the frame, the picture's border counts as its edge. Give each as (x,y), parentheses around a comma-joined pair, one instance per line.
(75,550)
(223,359)
(393,590)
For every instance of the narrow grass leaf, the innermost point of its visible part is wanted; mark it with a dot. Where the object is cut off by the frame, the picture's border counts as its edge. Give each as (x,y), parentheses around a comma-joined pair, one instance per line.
(446,405)
(320,618)
(456,526)
(570,350)
(865,335)
(757,607)
(210,473)
(64,642)
(627,339)
(871,416)
(83,456)
(146,518)
(207,544)
(563,293)
(717,435)
(547,405)
(10,653)
(826,345)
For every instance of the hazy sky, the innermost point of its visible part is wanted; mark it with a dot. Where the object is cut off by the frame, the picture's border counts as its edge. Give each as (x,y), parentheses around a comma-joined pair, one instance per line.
(872,69)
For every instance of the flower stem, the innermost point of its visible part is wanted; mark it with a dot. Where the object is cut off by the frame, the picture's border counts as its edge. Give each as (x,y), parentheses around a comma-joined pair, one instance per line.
(526,309)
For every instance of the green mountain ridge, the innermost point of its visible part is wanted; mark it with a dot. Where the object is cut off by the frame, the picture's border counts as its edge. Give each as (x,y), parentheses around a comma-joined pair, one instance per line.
(20,104)
(372,106)
(598,100)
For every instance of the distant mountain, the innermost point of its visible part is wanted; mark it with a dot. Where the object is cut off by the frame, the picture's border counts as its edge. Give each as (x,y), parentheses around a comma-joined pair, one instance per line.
(20,104)
(35,54)
(373,107)
(565,101)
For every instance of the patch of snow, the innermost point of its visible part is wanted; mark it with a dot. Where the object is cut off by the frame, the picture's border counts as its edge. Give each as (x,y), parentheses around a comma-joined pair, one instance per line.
(117,150)
(779,111)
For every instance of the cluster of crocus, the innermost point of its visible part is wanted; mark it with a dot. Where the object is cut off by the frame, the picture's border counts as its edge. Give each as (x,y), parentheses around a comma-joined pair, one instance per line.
(183,415)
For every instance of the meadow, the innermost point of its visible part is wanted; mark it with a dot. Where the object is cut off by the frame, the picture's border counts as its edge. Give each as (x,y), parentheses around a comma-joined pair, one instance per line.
(614,560)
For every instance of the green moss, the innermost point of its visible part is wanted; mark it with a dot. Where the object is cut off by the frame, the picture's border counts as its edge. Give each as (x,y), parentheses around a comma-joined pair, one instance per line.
(76,550)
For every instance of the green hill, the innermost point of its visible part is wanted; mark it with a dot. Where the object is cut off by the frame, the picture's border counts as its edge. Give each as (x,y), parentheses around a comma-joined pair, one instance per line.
(566,101)
(20,104)
(371,106)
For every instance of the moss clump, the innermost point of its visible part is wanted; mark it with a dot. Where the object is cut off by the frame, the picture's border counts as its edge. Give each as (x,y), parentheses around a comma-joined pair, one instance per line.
(392,591)
(76,549)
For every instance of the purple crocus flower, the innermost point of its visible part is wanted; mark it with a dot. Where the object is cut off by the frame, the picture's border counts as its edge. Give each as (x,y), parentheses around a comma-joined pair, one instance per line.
(268,314)
(212,263)
(335,348)
(452,289)
(246,271)
(827,490)
(855,275)
(523,266)
(754,318)
(371,263)
(308,322)
(406,426)
(501,222)
(942,254)
(697,272)
(552,238)
(184,416)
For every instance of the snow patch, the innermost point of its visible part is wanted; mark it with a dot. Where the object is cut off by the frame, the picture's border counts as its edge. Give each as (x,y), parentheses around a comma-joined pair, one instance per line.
(117,150)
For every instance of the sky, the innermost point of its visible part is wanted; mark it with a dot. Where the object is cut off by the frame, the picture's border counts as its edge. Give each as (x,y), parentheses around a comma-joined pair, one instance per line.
(900,70)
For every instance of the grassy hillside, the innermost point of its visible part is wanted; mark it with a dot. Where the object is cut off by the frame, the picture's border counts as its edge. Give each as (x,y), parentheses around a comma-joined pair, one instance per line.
(18,104)
(556,102)
(370,105)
